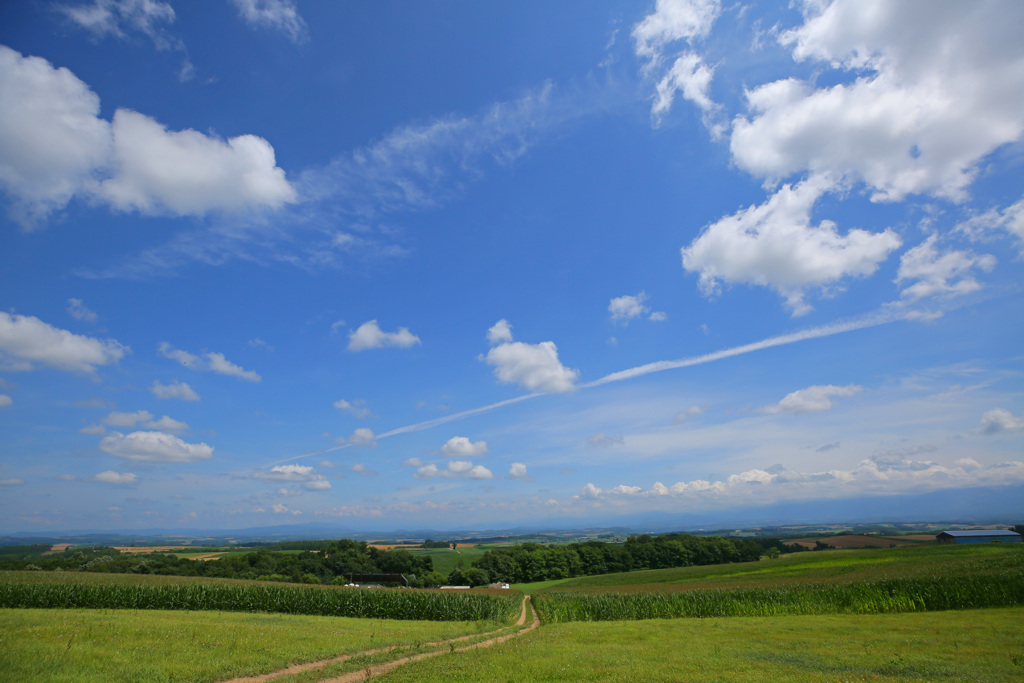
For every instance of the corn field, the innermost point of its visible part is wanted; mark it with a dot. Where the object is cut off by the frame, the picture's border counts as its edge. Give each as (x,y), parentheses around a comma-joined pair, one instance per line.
(338,602)
(874,597)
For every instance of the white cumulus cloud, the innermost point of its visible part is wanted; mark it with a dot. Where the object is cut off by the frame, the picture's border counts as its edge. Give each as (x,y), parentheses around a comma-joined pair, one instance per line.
(813,399)
(303,474)
(26,341)
(209,361)
(774,245)
(176,389)
(357,407)
(363,436)
(533,366)
(462,447)
(1001,420)
(936,273)
(154,447)
(454,469)
(54,146)
(51,139)
(518,471)
(188,172)
(6,401)
(219,364)
(500,332)
(924,107)
(625,308)
(370,336)
(112,477)
(671,21)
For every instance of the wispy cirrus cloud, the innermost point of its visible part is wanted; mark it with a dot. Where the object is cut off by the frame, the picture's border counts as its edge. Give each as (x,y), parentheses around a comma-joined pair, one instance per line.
(338,207)
(127,19)
(275,15)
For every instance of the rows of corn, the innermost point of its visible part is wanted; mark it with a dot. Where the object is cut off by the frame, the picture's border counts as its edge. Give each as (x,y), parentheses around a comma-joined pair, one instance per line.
(1004,589)
(285,599)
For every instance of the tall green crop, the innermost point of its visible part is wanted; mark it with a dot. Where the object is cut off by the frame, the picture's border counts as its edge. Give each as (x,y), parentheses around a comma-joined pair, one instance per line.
(884,596)
(287,599)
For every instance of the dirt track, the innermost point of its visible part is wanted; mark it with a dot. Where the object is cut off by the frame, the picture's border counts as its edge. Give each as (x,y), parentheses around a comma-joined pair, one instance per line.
(376,670)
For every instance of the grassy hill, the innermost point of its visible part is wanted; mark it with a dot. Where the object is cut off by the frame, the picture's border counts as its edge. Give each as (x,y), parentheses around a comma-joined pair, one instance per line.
(962,644)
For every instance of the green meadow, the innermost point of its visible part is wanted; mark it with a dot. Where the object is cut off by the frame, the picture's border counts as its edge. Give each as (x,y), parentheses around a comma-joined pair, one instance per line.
(935,613)
(446,559)
(135,645)
(977,645)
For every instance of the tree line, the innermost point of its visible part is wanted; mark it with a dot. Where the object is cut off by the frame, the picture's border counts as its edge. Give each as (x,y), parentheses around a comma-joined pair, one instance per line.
(334,562)
(530,562)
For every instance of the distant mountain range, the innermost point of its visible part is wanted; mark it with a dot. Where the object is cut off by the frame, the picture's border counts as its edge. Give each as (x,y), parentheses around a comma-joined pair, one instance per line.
(992,505)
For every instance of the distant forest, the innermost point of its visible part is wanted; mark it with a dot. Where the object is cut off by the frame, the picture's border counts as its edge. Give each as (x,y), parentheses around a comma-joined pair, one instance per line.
(334,562)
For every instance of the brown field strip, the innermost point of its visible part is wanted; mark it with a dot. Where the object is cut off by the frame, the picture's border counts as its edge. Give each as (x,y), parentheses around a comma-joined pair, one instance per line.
(143,550)
(851,541)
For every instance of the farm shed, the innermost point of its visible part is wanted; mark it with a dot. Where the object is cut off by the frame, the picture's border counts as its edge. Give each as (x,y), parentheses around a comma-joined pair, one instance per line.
(380,579)
(978,536)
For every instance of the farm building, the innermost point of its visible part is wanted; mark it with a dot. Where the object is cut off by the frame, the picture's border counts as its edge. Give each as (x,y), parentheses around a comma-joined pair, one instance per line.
(978,536)
(378,580)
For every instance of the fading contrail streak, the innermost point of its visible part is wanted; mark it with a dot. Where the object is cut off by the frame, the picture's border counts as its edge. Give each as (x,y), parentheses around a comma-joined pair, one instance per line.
(781,340)
(882,318)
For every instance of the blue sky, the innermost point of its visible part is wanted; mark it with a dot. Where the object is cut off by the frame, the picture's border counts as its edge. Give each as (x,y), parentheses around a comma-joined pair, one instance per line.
(459,265)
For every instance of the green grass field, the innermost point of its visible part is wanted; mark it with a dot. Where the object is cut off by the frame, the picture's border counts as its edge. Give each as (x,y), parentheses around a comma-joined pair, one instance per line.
(126,645)
(953,645)
(828,566)
(832,582)
(978,645)
(446,559)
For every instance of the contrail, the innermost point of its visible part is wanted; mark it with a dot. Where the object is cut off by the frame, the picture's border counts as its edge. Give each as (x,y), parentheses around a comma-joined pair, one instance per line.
(417,427)
(881,318)
(781,340)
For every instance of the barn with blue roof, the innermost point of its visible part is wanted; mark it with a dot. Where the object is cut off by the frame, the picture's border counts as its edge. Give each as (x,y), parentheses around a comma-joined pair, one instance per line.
(979,536)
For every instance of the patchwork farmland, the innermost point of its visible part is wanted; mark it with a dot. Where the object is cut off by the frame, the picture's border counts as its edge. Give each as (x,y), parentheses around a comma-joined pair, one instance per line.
(900,614)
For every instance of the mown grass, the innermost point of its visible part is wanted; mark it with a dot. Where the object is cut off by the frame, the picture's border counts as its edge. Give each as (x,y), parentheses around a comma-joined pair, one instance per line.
(67,590)
(530,588)
(118,645)
(446,559)
(978,645)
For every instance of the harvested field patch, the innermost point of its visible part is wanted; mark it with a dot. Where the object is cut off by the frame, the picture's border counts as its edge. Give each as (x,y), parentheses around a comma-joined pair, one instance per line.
(144,550)
(859,541)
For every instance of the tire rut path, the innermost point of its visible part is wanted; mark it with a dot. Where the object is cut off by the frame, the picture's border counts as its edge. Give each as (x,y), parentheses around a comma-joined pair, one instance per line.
(378,669)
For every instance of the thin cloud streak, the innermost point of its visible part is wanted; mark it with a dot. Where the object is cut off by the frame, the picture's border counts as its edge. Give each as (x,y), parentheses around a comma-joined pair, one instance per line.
(770,342)
(417,427)
(420,426)
(882,318)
